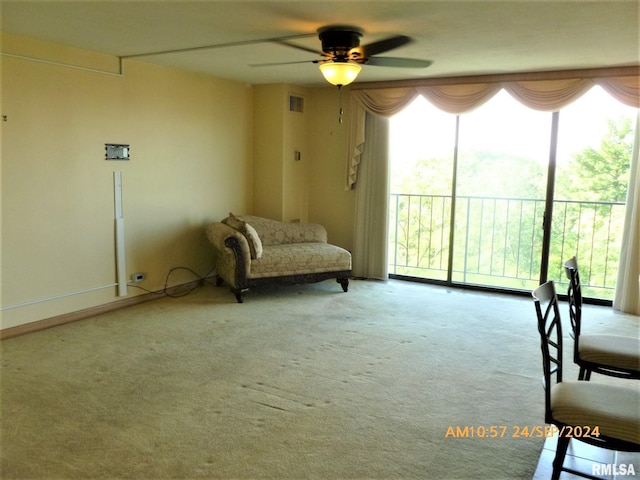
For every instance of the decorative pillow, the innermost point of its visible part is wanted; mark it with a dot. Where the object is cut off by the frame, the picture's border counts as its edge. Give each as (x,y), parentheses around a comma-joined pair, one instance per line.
(238,223)
(234,221)
(255,244)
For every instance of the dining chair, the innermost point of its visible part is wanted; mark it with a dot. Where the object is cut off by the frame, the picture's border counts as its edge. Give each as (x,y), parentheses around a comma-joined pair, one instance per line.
(612,355)
(602,414)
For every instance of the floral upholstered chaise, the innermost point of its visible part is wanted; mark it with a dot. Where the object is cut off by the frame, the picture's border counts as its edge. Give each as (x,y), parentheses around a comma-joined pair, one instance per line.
(251,250)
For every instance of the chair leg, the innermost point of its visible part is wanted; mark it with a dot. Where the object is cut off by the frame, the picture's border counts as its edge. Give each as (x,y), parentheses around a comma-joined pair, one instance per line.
(582,373)
(588,375)
(561,451)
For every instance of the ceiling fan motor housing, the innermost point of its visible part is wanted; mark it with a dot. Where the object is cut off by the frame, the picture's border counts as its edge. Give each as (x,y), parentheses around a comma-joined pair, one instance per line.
(338,41)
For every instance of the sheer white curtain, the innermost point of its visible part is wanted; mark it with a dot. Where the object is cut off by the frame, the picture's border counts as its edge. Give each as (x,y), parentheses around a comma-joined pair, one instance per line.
(372,202)
(627,297)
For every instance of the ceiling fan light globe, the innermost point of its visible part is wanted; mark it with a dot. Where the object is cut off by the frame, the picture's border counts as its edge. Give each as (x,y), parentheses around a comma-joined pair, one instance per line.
(340,73)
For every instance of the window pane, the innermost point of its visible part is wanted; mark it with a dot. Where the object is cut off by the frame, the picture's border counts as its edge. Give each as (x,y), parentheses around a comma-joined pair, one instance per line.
(595,143)
(421,144)
(501,184)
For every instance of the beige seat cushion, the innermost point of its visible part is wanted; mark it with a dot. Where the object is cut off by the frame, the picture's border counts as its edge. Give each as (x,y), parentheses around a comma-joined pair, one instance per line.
(614,409)
(300,258)
(612,350)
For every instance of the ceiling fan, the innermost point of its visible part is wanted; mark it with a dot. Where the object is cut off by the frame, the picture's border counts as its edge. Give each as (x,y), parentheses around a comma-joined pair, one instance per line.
(342,53)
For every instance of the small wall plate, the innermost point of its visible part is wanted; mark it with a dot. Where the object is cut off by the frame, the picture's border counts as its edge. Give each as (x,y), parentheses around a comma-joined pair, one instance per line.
(116,151)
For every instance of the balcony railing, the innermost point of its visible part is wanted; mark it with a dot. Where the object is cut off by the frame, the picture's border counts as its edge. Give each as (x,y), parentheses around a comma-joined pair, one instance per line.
(497,241)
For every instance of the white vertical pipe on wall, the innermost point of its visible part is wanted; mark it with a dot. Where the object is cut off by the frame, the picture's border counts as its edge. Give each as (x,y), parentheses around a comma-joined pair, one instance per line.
(121,268)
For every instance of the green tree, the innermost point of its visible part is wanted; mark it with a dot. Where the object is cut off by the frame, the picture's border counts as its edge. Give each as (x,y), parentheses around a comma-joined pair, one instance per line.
(603,174)
(591,230)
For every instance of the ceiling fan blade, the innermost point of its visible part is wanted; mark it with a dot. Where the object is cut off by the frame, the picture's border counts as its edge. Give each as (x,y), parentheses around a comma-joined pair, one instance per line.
(398,62)
(299,47)
(280,63)
(385,45)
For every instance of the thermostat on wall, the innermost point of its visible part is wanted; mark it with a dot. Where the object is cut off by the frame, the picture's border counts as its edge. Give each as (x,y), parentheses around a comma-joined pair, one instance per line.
(114,151)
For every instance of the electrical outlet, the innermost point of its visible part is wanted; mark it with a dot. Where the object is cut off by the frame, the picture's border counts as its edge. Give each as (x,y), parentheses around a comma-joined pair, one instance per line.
(138,277)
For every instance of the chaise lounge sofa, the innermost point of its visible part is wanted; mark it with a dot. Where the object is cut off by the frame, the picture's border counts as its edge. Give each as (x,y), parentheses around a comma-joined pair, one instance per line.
(252,250)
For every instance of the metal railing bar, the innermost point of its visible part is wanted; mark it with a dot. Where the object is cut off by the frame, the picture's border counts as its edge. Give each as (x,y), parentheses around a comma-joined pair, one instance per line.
(427,254)
(606,263)
(480,234)
(466,243)
(533,236)
(593,232)
(564,229)
(395,250)
(579,231)
(506,241)
(493,234)
(418,256)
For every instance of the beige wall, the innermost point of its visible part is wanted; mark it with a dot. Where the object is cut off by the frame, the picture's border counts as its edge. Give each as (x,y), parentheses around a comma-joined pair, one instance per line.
(191,162)
(312,189)
(296,172)
(330,203)
(195,155)
(268,147)
(281,182)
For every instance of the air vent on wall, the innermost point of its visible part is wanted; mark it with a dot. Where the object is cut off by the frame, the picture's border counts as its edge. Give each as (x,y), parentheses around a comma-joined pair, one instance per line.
(296,104)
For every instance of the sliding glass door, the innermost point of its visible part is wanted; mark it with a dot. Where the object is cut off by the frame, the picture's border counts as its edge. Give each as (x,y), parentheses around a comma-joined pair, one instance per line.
(470,193)
(503,151)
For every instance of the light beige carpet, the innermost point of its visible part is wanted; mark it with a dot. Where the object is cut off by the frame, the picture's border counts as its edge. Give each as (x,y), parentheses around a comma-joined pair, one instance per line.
(297,382)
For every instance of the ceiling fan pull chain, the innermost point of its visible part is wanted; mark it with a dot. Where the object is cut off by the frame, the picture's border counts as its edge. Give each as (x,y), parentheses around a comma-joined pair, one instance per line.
(341,110)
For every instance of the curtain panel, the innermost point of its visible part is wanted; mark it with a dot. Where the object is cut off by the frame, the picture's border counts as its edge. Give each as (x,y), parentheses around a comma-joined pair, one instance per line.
(372,203)
(627,295)
(544,91)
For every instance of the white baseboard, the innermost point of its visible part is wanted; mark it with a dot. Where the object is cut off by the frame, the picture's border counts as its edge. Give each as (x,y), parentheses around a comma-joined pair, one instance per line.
(92,311)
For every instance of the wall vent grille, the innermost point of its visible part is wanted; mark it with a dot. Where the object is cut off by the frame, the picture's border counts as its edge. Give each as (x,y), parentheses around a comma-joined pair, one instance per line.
(296,104)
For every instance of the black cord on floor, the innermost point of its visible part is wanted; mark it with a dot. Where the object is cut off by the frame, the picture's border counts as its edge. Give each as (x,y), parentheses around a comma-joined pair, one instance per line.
(165,291)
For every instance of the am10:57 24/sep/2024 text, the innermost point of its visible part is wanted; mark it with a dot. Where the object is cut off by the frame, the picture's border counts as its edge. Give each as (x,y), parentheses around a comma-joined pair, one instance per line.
(517,431)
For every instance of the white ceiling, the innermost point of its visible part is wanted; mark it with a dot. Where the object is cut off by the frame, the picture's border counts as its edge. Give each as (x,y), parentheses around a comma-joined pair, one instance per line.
(460,37)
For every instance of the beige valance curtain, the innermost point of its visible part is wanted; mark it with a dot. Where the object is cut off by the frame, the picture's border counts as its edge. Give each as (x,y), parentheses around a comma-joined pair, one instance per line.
(540,91)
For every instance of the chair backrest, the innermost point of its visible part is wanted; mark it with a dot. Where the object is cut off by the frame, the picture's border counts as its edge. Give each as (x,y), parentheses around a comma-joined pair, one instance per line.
(550,329)
(574,295)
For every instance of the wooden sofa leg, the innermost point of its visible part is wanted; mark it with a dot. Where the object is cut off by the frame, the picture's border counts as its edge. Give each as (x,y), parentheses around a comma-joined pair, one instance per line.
(344,282)
(240,293)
